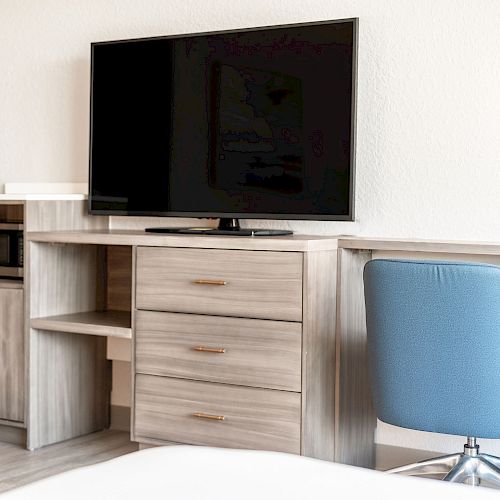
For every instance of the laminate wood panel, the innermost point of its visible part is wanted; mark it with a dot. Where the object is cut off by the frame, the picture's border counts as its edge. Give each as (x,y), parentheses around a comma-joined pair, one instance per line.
(146,446)
(12,354)
(294,243)
(253,418)
(59,215)
(59,280)
(13,435)
(413,245)
(258,353)
(71,396)
(355,416)
(68,373)
(19,466)
(132,364)
(10,212)
(12,423)
(8,283)
(120,418)
(11,226)
(14,272)
(150,443)
(119,278)
(318,364)
(62,279)
(103,323)
(256,284)
(119,349)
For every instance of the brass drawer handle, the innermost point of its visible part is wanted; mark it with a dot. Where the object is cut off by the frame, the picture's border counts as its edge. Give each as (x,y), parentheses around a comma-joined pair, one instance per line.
(208,416)
(202,348)
(210,282)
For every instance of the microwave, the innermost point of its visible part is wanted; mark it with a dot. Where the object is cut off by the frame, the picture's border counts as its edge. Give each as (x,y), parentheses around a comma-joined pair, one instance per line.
(11,248)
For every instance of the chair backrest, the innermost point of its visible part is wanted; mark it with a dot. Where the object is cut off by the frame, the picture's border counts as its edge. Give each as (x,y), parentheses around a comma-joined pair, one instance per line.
(434,345)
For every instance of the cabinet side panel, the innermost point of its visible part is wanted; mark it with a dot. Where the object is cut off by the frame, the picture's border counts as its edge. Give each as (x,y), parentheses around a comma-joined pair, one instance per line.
(133,346)
(54,215)
(355,419)
(318,355)
(11,354)
(62,280)
(72,396)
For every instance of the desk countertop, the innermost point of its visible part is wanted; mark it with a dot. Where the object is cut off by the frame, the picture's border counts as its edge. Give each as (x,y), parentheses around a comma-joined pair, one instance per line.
(416,245)
(295,243)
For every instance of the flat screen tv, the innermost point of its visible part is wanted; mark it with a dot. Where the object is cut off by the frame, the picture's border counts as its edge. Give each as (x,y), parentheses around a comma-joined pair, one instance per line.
(254,123)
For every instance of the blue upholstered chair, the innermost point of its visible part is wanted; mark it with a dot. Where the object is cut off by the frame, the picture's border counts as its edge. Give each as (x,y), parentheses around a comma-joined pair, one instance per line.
(434,356)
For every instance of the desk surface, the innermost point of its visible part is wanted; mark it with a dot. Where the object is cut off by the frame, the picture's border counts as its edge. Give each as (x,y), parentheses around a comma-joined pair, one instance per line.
(295,243)
(415,245)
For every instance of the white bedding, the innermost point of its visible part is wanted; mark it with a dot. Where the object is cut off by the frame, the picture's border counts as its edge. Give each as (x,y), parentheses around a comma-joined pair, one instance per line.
(201,473)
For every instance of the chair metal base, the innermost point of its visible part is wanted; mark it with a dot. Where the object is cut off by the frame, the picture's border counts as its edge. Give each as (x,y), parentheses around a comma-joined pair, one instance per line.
(469,467)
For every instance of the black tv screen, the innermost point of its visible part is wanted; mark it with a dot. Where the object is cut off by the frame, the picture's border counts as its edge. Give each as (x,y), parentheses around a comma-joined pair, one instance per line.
(256,123)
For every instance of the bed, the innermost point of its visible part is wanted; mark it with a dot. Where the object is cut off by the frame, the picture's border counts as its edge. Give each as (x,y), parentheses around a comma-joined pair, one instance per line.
(188,472)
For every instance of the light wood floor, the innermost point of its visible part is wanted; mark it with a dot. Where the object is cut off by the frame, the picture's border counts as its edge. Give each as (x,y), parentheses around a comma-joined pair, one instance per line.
(387,457)
(19,466)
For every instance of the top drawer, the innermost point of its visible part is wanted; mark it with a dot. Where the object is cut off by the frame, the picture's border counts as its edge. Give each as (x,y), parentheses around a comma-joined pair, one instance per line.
(252,284)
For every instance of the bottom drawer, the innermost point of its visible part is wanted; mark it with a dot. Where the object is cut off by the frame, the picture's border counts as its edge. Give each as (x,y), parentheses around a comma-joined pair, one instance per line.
(204,413)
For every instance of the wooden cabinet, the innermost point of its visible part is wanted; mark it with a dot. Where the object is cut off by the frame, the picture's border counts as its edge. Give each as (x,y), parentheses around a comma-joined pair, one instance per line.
(12,356)
(240,328)
(11,352)
(236,348)
(292,375)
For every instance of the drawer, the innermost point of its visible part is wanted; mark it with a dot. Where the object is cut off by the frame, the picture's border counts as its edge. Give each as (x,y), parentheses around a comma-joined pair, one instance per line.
(251,352)
(251,284)
(241,417)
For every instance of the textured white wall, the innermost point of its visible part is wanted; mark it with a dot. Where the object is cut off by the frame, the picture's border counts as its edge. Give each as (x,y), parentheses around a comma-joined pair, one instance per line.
(428,154)
(428,147)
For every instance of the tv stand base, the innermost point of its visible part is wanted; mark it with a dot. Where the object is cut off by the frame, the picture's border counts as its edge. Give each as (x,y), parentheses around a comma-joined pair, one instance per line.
(227,227)
(218,232)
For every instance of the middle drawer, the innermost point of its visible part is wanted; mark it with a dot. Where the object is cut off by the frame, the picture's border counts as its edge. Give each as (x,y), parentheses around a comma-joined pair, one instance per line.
(251,352)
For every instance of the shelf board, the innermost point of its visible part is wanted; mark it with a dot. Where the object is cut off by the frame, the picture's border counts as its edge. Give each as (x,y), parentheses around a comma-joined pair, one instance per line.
(11,226)
(11,272)
(101,323)
(9,283)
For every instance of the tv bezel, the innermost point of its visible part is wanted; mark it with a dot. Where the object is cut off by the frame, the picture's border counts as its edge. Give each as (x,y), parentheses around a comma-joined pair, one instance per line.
(241,215)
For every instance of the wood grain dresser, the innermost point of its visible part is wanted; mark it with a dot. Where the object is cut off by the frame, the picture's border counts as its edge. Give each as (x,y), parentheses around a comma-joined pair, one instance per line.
(236,348)
(239,342)
(233,339)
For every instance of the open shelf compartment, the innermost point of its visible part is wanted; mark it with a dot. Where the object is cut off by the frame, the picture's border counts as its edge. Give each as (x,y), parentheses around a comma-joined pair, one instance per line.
(97,301)
(80,300)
